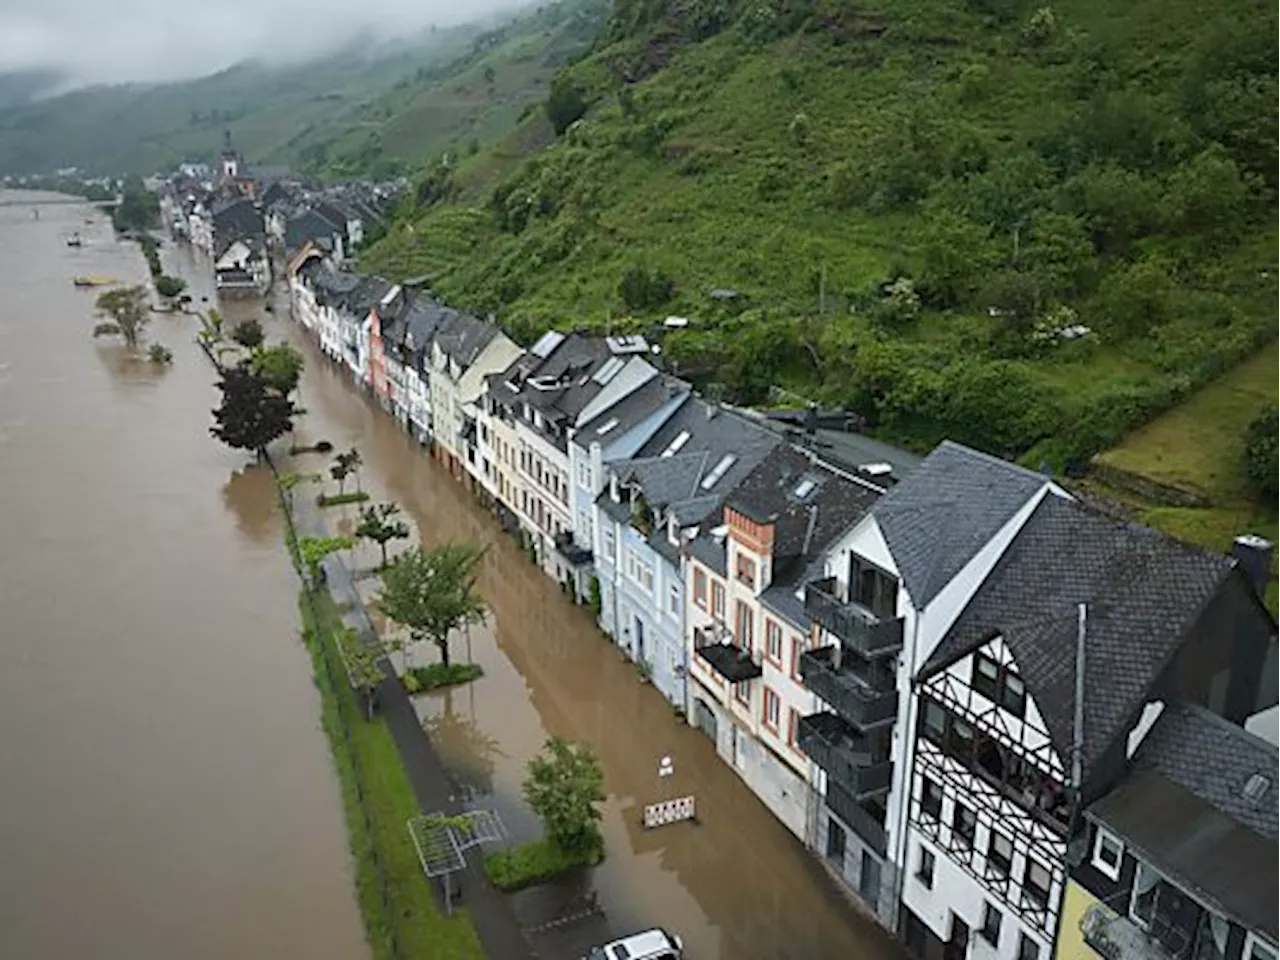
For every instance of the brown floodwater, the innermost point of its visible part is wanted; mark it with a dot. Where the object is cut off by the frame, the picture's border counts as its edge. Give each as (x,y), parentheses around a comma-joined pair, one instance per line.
(165,789)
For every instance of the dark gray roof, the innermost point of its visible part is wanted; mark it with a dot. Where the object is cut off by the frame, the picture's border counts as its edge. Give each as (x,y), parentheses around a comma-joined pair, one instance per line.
(1184,809)
(238,218)
(633,408)
(308,225)
(846,448)
(710,552)
(462,338)
(1144,591)
(667,480)
(950,506)
(781,600)
(423,319)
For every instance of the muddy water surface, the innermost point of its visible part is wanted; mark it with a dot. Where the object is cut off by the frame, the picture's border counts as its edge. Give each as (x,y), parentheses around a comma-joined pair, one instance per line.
(165,790)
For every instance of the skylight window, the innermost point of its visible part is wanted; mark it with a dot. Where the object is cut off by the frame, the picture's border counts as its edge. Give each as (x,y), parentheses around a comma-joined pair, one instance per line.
(607,426)
(674,446)
(805,488)
(720,469)
(609,370)
(1256,787)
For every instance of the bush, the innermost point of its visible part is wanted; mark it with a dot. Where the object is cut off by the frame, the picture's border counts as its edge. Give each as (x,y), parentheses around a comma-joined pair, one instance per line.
(1260,456)
(565,105)
(641,288)
(438,675)
(169,287)
(537,862)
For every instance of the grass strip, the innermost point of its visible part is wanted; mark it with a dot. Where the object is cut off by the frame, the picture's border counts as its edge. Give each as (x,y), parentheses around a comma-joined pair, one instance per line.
(437,675)
(378,801)
(539,861)
(338,499)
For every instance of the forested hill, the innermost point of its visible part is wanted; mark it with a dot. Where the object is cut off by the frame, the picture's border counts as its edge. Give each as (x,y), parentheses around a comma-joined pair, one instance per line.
(1022,225)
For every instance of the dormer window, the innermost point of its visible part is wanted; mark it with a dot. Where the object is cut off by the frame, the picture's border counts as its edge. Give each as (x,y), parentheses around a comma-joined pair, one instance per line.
(746,569)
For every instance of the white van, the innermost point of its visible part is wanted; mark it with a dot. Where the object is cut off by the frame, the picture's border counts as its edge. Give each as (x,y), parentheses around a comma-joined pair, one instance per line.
(655,944)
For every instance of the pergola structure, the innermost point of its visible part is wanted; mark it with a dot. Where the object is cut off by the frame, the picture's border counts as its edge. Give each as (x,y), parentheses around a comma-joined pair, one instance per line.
(442,842)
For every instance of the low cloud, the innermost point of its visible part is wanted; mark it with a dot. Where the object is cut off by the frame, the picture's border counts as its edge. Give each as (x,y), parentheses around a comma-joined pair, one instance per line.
(93,41)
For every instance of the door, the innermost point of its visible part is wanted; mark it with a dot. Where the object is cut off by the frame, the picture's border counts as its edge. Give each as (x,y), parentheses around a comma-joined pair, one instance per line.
(836,840)
(704,719)
(869,880)
(958,946)
(641,653)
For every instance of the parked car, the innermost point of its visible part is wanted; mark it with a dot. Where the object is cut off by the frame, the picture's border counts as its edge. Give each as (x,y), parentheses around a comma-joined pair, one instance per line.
(655,944)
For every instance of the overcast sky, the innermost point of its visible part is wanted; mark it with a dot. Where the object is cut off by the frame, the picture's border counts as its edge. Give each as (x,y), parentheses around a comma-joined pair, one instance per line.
(124,40)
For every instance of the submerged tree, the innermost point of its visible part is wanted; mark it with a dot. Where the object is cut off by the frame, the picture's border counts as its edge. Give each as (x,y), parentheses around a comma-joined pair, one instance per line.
(248,333)
(380,524)
(363,667)
(251,414)
(433,592)
(280,365)
(564,787)
(170,287)
(159,353)
(127,308)
(313,550)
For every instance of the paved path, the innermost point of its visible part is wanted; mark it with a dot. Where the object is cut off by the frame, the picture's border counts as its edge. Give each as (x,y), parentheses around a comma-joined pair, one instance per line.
(495,920)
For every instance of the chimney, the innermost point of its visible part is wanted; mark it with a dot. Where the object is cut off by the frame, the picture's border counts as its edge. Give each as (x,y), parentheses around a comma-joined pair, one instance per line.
(1253,554)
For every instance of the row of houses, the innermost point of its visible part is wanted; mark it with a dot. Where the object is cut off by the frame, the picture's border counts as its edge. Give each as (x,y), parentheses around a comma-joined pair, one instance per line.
(1009,725)
(238,216)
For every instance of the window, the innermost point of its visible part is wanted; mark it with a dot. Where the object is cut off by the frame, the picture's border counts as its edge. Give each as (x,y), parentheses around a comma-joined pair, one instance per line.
(1142,900)
(743,693)
(872,588)
(1000,854)
(1028,949)
(673,598)
(606,538)
(700,589)
(639,571)
(1035,885)
(719,470)
(934,723)
(797,648)
(1258,949)
(931,798)
(793,730)
(960,739)
(924,872)
(717,599)
(772,709)
(746,570)
(991,918)
(1108,853)
(743,626)
(1000,685)
(773,641)
(964,823)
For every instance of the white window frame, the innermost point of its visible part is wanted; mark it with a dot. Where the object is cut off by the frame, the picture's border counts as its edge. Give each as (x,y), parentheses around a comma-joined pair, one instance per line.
(673,598)
(1102,838)
(1253,940)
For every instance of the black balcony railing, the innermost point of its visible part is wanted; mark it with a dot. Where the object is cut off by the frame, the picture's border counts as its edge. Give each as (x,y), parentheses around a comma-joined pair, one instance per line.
(857,817)
(856,626)
(845,754)
(566,546)
(854,698)
(731,662)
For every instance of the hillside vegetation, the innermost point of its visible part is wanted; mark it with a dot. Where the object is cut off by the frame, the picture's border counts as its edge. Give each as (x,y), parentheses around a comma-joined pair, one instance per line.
(1029,227)
(370,110)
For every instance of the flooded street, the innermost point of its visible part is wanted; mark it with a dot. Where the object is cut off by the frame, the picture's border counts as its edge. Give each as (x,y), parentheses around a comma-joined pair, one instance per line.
(168,788)
(167,791)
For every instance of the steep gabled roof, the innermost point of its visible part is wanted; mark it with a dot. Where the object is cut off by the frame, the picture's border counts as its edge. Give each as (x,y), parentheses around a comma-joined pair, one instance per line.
(1143,592)
(238,218)
(950,506)
(462,338)
(1200,805)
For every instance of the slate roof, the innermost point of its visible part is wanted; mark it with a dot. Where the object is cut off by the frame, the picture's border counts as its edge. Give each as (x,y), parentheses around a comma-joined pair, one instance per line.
(308,225)
(938,518)
(423,319)
(238,218)
(1184,809)
(462,338)
(848,449)
(632,409)
(1143,591)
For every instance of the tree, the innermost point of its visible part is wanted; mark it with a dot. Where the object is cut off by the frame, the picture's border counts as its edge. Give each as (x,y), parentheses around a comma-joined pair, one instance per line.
(248,333)
(565,105)
(280,365)
(363,665)
(251,414)
(212,322)
(433,592)
(489,74)
(159,353)
(170,287)
(564,787)
(139,208)
(129,313)
(378,523)
(344,465)
(1260,454)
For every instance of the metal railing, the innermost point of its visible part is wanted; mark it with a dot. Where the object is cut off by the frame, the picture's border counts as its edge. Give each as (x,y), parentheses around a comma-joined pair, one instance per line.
(849,695)
(857,818)
(855,626)
(844,754)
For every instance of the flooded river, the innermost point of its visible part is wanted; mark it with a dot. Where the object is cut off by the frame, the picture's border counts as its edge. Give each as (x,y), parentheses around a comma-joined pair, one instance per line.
(165,789)
(167,785)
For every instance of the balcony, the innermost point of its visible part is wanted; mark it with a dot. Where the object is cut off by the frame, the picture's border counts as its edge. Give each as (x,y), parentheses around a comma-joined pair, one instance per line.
(1117,937)
(731,662)
(571,551)
(857,818)
(856,626)
(849,695)
(845,754)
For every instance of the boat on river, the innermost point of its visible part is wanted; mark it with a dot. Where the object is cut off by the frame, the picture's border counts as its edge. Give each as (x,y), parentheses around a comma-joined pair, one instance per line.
(74,240)
(94,281)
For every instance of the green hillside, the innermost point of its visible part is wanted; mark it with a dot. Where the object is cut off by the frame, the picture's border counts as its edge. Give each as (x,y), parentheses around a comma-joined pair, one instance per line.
(368,111)
(916,204)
